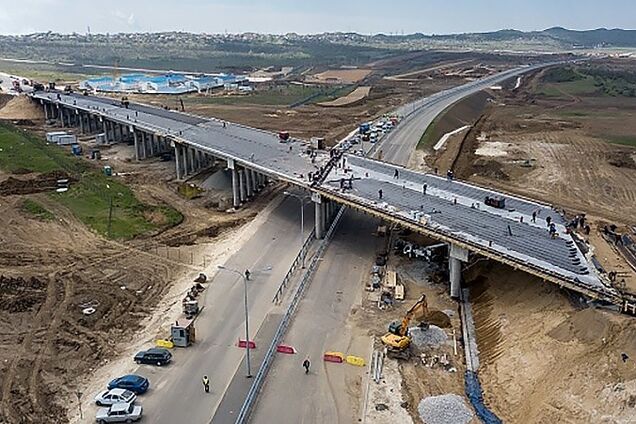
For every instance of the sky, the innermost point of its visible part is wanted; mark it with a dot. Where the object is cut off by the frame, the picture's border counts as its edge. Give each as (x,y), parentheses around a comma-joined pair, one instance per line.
(311,16)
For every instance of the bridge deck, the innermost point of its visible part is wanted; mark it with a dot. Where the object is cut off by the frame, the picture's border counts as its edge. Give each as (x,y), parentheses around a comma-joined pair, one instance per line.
(454,211)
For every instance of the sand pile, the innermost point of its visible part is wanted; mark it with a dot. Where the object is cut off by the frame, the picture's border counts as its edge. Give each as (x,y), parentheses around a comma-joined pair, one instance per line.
(21,107)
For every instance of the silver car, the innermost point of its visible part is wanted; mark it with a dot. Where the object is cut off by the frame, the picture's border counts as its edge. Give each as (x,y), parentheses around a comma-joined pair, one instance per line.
(109,397)
(119,413)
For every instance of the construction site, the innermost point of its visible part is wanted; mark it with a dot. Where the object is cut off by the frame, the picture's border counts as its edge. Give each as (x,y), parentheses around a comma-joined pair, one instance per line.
(101,250)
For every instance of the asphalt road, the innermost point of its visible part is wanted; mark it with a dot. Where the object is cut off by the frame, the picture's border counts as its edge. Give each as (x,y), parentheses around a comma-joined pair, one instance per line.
(400,143)
(176,393)
(327,393)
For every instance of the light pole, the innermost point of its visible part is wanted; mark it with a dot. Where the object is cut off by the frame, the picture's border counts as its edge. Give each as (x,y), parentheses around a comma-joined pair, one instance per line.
(302,221)
(247,325)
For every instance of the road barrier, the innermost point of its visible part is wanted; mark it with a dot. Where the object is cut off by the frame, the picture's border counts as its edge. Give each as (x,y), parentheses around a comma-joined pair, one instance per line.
(337,357)
(355,360)
(242,344)
(281,348)
(259,379)
(297,262)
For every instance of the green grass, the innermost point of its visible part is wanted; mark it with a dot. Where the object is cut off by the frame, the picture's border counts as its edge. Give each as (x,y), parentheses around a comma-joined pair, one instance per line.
(583,86)
(37,210)
(89,198)
(282,95)
(626,140)
(21,150)
(429,138)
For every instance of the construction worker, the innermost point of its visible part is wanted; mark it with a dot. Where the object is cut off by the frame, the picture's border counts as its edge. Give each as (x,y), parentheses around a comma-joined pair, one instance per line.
(548,220)
(306,365)
(534,216)
(380,194)
(247,274)
(424,187)
(206,383)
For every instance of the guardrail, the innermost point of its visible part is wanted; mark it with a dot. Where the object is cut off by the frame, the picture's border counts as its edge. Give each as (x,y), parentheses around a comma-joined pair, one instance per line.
(252,395)
(297,261)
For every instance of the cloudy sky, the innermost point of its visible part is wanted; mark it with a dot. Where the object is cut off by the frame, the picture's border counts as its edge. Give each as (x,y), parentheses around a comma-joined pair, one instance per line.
(311,16)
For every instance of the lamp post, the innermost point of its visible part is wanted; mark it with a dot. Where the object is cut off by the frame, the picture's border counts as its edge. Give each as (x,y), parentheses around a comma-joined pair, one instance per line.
(244,276)
(247,324)
(302,221)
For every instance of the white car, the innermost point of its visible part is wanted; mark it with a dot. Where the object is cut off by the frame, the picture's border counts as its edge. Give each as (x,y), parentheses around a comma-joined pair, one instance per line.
(119,413)
(110,397)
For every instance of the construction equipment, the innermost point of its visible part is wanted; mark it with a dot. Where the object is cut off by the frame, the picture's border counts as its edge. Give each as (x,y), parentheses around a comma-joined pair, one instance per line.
(495,202)
(190,308)
(397,339)
(125,102)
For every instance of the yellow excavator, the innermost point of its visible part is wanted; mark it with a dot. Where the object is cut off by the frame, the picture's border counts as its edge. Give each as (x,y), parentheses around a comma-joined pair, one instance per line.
(397,339)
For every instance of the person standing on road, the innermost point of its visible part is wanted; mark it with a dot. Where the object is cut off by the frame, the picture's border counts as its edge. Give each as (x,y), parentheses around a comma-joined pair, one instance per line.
(306,365)
(247,274)
(396,174)
(380,194)
(534,216)
(424,187)
(206,383)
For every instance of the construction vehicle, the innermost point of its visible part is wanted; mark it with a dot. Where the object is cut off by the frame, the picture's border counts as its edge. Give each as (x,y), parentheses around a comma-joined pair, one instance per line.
(397,340)
(495,202)
(125,102)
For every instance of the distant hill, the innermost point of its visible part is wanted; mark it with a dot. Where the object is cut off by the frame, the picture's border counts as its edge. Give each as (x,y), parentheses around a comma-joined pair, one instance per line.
(557,36)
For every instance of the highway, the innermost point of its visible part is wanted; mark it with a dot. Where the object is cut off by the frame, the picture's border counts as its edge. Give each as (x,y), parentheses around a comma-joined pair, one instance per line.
(328,393)
(176,393)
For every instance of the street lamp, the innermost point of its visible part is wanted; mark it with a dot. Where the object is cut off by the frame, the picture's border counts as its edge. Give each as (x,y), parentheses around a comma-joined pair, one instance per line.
(245,276)
(302,221)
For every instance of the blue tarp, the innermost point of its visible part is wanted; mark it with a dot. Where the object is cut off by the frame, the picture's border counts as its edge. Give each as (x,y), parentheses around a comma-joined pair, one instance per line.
(475,395)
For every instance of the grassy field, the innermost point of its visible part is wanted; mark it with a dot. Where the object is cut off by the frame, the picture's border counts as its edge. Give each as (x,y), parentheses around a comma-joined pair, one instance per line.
(580,87)
(37,210)
(625,140)
(90,197)
(430,136)
(281,95)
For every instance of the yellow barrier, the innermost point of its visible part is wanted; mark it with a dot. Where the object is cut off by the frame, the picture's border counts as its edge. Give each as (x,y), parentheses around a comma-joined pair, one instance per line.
(164,343)
(355,360)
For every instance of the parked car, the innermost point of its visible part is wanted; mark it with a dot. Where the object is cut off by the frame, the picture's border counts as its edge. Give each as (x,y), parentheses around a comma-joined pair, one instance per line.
(135,383)
(119,413)
(155,356)
(109,397)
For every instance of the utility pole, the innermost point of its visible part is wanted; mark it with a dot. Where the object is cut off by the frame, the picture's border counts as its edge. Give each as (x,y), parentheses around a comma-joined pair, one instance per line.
(301,199)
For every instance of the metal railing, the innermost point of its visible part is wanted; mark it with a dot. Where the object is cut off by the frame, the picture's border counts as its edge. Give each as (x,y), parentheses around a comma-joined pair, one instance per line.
(294,266)
(252,395)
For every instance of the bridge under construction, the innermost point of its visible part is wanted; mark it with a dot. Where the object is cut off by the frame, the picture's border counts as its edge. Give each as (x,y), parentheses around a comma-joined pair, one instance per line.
(514,232)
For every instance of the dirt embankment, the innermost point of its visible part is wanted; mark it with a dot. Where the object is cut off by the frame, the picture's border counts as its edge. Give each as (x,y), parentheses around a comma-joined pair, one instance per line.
(544,359)
(20,108)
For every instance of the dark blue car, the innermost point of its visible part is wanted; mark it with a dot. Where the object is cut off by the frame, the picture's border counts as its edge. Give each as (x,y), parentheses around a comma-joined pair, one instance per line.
(135,383)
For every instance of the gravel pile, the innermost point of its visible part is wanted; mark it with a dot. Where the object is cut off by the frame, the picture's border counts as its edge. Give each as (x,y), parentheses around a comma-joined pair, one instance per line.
(444,409)
(433,336)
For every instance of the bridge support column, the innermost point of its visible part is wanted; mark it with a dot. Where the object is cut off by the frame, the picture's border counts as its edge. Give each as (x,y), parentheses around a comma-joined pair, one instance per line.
(242,188)
(249,189)
(46,111)
(178,161)
(236,200)
(456,257)
(319,215)
(81,123)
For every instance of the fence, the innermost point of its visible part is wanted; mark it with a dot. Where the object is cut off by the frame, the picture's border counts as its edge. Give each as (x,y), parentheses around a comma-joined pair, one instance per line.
(297,261)
(252,395)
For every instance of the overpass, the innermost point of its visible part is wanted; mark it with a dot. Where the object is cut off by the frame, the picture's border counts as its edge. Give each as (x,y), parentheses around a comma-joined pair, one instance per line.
(450,211)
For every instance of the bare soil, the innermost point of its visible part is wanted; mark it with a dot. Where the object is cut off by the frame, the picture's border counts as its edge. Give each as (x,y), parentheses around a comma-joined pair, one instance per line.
(546,360)
(51,270)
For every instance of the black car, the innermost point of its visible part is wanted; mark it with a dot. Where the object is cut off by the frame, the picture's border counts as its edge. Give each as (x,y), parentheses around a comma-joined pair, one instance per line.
(154,356)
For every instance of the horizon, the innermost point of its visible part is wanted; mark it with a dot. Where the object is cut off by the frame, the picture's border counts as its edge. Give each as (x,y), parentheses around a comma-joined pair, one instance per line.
(286,16)
(321,33)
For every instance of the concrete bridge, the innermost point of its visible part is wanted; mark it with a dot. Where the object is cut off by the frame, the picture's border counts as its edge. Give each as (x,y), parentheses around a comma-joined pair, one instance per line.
(446,210)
